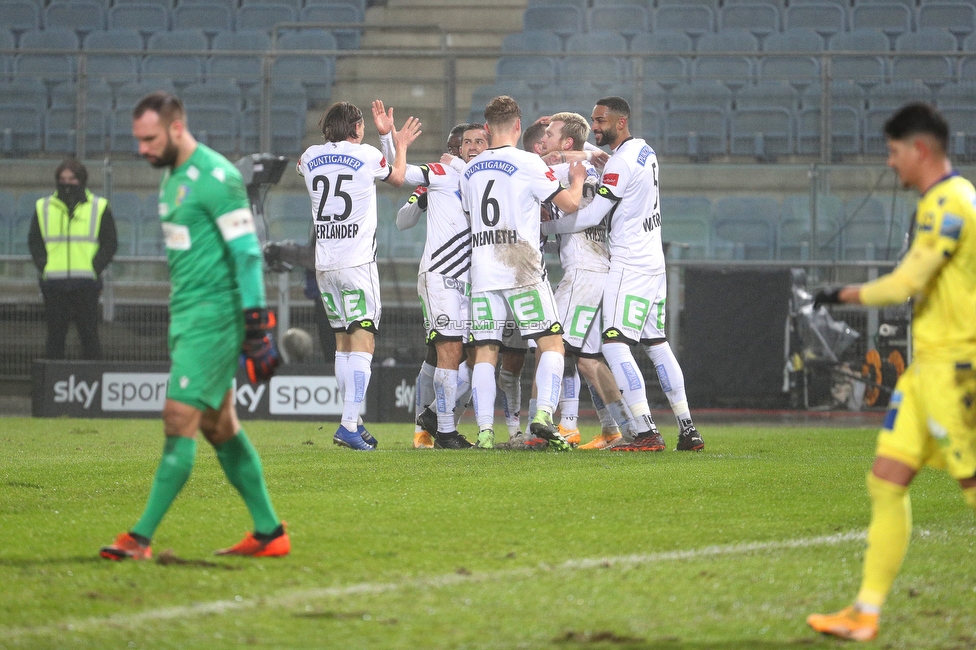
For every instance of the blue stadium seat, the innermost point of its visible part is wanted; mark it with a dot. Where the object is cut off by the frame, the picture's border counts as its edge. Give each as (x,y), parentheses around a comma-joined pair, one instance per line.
(777,64)
(230,4)
(892,18)
(536,71)
(779,4)
(81,16)
(24,213)
(7,217)
(969,44)
(358,5)
(215,125)
(114,68)
(628,20)
(666,70)
(696,131)
(578,4)
(845,131)
(20,130)
(843,92)
(166,56)
(763,132)
(884,100)
(315,72)
(64,95)
(347,38)
(967,68)
(956,95)
(264,16)
(50,67)
(27,91)
(218,92)
(693,20)
(866,70)
(144,17)
(824,18)
(150,231)
(120,138)
(760,19)
(742,227)
(596,41)
(245,69)
(766,93)
(60,129)
(710,4)
(287,130)
(794,236)
(563,20)
(128,95)
(6,60)
(867,231)
(598,72)
(211,19)
(517,89)
(532,41)
(128,205)
(959,18)
(734,71)
(934,71)
(962,131)
(701,92)
(294,4)
(20,15)
(686,223)
(651,127)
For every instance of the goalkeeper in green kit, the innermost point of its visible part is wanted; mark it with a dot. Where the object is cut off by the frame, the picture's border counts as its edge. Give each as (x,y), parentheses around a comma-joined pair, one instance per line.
(217,317)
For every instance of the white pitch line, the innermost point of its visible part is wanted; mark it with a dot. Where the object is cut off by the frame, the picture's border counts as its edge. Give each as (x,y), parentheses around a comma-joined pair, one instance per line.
(289,599)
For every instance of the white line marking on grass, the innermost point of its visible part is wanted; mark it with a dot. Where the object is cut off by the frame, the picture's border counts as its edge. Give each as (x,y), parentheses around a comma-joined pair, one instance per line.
(290,599)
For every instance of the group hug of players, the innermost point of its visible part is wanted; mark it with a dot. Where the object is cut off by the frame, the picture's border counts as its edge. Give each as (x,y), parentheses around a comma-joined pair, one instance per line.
(482,281)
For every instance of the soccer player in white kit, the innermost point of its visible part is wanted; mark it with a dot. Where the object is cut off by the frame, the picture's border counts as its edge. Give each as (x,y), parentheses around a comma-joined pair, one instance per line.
(501,191)
(636,289)
(443,281)
(585,259)
(340,176)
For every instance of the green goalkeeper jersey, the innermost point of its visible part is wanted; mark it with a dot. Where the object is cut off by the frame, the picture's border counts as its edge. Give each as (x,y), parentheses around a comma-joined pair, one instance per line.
(213,251)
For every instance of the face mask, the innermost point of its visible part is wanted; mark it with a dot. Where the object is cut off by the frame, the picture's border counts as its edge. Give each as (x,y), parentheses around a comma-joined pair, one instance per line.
(71,194)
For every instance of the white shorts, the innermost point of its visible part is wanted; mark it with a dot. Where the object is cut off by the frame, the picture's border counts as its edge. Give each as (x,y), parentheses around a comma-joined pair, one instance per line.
(529,310)
(445,302)
(578,298)
(351,297)
(634,307)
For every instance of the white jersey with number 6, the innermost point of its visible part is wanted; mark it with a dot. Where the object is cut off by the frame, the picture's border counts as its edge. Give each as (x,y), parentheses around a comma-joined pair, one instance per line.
(501,191)
(340,179)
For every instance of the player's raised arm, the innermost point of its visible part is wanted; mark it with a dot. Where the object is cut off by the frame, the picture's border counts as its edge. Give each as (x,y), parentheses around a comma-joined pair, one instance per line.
(569,200)
(403,139)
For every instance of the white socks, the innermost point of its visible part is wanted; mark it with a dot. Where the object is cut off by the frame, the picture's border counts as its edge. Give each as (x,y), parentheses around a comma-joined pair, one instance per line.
(548,380)
(511,386)
(357,381)
(569,400)
(671,377)
(445,390)
(424,393)
(483,392)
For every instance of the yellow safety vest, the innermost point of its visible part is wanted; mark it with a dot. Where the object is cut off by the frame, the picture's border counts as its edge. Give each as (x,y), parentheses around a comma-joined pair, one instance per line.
(71,243)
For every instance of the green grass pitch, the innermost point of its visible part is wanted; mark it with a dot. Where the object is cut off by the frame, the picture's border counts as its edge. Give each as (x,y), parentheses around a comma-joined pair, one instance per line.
(730,548)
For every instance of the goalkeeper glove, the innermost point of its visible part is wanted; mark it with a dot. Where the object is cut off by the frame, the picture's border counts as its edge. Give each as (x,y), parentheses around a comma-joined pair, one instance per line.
(826,297)
(259,354)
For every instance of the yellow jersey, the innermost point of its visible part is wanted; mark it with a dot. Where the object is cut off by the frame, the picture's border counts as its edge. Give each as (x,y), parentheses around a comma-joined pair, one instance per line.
(940,272)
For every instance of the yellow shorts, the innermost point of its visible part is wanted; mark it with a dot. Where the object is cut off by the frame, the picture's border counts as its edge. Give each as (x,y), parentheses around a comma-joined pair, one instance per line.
(932,419)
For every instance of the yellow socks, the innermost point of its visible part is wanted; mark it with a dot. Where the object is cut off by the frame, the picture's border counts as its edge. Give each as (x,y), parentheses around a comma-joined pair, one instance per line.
(888,536)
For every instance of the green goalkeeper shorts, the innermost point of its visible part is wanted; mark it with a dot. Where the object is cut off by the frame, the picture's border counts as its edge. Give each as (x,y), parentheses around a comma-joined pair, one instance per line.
(205,347)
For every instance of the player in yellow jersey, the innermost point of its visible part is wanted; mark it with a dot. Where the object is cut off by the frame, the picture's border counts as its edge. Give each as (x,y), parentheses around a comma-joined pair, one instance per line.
(932,416)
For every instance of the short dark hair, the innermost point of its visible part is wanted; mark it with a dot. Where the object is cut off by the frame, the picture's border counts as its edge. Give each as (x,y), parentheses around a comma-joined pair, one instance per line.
(532,135)
(339,122)
(76,168)
(168,106)
(502,111)
(918,119)
(616,104)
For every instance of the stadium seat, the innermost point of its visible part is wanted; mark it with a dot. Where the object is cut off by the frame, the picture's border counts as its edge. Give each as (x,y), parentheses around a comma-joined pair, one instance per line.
(693,20)
(628,20)
(6,60)
(962,131)
(845,131)
(144,17)
(533,41)
(81,16)
(287,130)
(536,71)
(564,20)
(768,93)
(27,92)
(150,232)
(824,18)
(686,223)
(698,132)
(120,138)
(701,92)
(596,41)
(651,125)
(955,95)
(294,4)
(50,67)
(958,18)
(733,71)
(20,15)
(666,70)
(245,69)
(866,231)
(598,72)
(347,38)
(763,132)
(7,218)
(128,95)
(760,19)
(215,125)
(315,72)
(742,227)
(20,130)
(264,16)
(866,71)
(892,18)
(60,130)
(211,19)
(113,68)
(578,4)
(218,92)
(164,58)
(127,204)
(934,71)
(794,236)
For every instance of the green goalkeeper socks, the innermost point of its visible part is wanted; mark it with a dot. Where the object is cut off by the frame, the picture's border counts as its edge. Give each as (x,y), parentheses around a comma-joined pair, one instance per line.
(243,469)
(174,468)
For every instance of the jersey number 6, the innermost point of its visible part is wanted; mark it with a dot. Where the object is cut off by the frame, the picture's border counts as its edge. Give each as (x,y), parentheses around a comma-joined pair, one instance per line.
(490,211)
(346,199)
